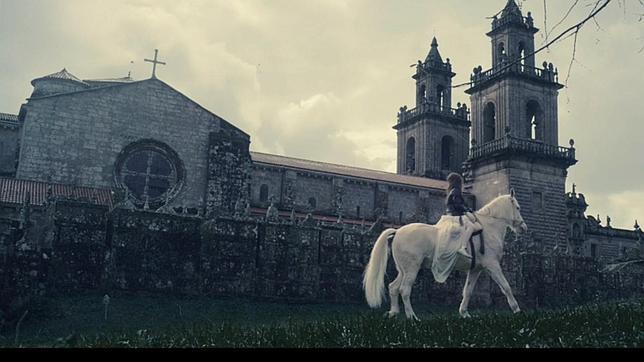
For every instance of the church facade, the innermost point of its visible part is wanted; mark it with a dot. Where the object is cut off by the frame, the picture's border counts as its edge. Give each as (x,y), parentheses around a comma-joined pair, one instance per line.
(142,145)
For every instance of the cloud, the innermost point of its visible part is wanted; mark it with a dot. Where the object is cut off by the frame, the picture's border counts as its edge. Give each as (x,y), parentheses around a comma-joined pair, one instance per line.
(623,207)
(324,79)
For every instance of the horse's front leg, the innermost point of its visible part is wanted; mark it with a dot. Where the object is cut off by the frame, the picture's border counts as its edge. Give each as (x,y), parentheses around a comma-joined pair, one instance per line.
(470,283)
(497,275)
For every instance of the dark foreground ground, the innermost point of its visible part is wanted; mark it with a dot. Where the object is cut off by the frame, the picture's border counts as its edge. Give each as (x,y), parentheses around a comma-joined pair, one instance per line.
(154,321)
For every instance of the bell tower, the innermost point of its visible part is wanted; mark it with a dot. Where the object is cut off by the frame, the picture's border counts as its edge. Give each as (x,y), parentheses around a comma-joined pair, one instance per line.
(515,130)
(433,138)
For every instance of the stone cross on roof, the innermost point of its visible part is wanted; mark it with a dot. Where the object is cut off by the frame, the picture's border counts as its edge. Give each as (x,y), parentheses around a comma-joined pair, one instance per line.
(155,62)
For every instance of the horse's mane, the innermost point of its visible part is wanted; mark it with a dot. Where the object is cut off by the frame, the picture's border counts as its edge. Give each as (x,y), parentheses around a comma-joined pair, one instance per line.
(488,210)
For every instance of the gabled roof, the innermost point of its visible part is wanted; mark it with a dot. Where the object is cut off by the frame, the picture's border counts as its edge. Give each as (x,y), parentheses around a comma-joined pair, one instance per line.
(109,81)
(341,170)
(63,74)
(14,191)
(114,85)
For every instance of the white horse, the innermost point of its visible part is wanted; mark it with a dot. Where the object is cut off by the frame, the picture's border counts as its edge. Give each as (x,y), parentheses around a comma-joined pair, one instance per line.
(414,245)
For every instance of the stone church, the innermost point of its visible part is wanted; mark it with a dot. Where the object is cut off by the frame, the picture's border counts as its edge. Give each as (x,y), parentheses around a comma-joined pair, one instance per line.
(143,145)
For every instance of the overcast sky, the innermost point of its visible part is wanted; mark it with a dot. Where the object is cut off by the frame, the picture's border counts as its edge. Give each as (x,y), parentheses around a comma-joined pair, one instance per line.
(324,79)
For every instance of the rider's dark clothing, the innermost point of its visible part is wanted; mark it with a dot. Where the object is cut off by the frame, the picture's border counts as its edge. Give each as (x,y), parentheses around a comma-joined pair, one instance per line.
(456,203)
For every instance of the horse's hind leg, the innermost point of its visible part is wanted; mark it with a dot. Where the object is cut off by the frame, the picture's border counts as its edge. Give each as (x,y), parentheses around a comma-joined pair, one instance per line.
(407,283)
(470,283)
(394,295)
(497,275)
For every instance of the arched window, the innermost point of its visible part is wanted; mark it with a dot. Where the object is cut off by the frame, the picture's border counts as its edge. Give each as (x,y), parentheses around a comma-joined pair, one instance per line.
(263,193)
(501,53)
(411,155)
(489,122)
(400,218)
(521,56)
(422,93)
(533,116)
(440,94)
(313,203)
(150,172)
(447,156)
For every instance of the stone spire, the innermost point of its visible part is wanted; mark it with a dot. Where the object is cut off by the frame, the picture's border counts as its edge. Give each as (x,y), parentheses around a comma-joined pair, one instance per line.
(434,55)
(511,9)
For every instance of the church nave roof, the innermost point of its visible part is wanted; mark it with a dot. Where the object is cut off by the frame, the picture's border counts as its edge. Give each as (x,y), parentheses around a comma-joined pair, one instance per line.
(342,170)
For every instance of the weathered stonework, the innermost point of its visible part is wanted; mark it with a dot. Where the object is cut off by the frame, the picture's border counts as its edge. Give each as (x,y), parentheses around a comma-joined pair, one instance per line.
(98,249)
(214,235)
(104,121)
(229,167)
(9,136)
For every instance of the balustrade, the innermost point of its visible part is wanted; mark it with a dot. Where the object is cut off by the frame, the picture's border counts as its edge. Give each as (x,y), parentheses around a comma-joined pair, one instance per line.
(519,145)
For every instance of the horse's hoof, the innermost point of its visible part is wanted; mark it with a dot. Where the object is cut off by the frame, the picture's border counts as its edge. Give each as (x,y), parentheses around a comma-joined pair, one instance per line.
(390,315)
(466,315)
(518,311)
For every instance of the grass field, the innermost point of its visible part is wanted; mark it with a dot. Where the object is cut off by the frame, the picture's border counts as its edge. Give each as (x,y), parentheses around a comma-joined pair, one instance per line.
(149,321)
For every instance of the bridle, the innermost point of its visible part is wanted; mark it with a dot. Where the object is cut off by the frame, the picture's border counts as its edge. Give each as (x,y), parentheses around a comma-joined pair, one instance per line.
(508,220)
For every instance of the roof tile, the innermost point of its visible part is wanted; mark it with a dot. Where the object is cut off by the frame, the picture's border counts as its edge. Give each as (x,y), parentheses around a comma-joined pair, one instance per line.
(14,191)
(348,171)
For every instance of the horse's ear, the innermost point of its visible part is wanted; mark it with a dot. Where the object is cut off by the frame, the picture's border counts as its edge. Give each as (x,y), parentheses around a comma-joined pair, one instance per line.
(512,192)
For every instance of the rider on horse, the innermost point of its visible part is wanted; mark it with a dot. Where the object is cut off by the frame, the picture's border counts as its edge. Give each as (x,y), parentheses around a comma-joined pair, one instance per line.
(456,206)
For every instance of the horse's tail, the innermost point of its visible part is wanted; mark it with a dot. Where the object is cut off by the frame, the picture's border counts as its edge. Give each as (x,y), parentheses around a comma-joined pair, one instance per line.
(374,275)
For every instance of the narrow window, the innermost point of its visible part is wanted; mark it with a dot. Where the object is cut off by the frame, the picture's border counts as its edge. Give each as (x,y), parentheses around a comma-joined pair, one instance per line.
(576,231)
(358,211)
(537,200)
(263,193)
(522,56)
(489,122)
(501,53)
(440,94)
(411,156)
(422,93)
(533,116)
(313,203)
(447,147)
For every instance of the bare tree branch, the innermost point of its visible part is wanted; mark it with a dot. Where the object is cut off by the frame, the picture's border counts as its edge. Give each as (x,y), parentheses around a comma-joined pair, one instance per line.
(599,6)
(566,16)
(574,52)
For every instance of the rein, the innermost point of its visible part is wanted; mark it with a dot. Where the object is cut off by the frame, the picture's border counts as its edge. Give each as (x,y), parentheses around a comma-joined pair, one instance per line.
(511,221)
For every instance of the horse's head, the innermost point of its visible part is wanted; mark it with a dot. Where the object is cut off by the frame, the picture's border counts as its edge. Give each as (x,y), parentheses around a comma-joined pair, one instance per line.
(515,212)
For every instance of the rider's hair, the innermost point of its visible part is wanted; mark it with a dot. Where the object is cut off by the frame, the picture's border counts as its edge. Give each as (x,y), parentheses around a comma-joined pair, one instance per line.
(455,181)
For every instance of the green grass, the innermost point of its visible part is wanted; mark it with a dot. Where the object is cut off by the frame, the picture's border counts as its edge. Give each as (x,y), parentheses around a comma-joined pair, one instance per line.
(139,321)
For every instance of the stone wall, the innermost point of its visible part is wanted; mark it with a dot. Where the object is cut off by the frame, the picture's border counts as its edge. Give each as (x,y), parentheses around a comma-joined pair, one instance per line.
(77,138)
(540,191)
(355,198)
(510,97)
(9,135)
(229,172)
(95,248)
